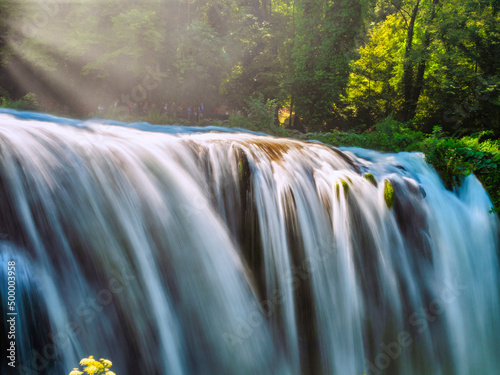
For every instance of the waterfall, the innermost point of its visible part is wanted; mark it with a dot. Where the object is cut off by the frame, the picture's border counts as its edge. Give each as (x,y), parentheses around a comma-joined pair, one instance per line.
(173,250)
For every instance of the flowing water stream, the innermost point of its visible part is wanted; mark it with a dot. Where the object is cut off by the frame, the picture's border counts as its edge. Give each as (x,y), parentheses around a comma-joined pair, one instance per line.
(175,250)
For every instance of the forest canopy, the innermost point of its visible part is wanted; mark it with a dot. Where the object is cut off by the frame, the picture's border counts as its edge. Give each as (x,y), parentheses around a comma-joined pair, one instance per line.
(339,64)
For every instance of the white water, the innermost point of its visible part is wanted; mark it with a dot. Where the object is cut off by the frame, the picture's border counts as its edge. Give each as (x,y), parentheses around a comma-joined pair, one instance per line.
(175,251)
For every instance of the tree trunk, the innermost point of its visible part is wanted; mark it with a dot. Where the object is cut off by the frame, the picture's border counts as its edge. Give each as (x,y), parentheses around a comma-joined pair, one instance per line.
(290,119)
(408,66)
(419,80)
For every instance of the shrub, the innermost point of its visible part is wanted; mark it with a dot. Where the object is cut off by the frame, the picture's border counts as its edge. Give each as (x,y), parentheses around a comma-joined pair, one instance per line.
(156,118)
(239,121)
(259,115)
(454,159)
(28,102)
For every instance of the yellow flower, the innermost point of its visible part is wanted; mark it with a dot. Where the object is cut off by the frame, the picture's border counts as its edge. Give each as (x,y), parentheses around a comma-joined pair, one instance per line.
(106,362)
(94,367)
(86,361)
(91,370)
(97,364)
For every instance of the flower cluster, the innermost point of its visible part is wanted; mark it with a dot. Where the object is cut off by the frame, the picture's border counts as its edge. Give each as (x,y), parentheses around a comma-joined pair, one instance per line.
(94,367)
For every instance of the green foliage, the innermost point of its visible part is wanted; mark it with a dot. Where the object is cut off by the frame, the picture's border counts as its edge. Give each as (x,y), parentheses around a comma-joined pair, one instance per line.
(388,194)
(340,63)
(261,111)
(388,135)
(28,102)
(441,153)
(443,72)
(94,367)
(471,81)
(454,159)
(241,121)
(200,63)
(373,90)
(260,116)
(156,118)
(190,52)
(323,49)
(259,52)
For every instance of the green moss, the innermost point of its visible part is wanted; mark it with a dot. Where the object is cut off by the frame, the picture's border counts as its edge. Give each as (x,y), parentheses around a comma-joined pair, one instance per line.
(345,185)
(388,194)
(371,178)
(241,168)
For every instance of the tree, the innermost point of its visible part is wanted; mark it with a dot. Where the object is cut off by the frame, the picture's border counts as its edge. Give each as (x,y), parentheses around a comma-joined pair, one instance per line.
(373,89)
(432,63)
(323,48)
(470,37)
(200,64)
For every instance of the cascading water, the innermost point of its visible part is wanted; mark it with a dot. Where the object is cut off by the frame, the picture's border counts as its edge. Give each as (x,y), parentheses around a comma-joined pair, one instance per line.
(183,251)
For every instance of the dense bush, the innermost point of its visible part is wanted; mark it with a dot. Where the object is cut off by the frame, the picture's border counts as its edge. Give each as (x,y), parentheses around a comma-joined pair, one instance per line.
(389,135)
(258,115)
(28,102)
(456,158)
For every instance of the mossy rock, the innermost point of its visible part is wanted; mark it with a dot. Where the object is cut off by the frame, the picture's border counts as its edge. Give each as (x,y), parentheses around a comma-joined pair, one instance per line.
(243,172)
(388,194)
(345,186)
(243,166)
(241,169)
(371,178)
